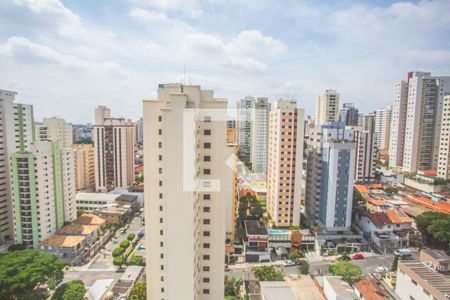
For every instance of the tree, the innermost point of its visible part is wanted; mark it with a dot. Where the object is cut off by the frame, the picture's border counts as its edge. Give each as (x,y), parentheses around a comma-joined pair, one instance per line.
(347,271)
(118,261)
(358,200)
(139,291)
(117,252)
(391,190)
(72,290)
(124,244)
(233,286)
(303,267)
(16,247)
(435,228)
(131,237)
(135,261)
(24,274)
(395,263)
(80,212)
(268,273)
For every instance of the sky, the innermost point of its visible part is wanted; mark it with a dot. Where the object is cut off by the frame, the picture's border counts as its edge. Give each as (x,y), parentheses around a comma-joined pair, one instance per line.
(67,57)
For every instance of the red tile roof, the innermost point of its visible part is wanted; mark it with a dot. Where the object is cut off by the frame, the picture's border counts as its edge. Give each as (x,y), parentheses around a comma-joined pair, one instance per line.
(376,201)
(443,207)
(370,290)
(361,188)
(379,219)
(398,217)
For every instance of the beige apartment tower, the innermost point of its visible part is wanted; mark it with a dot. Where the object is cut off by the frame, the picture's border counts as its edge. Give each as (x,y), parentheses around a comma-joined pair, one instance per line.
(84,166)
(185,154)
(55,129)
(285,158)
(327,107)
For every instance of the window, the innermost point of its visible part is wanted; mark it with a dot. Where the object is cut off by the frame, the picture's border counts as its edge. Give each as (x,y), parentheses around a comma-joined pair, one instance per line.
(206,197)
(206,257)
(206,209)
(159,118)
(160,208)
(207,118)
(161,255)
(160,157)
(207,145)
(160,170)
(162,278)
(160,183)
(162,290)
(206,245)
(160,220)
(159,131)
(206,268)
(206,279)
(161,244)
(161,232)
(160,196)
(206,233)
(206,171)
(207,132)
(206,291)
(160,144)
(206,221)
(162,267)
(206,158)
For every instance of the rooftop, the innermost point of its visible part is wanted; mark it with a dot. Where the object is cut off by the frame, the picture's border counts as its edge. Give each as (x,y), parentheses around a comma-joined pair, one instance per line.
(276,290)
(89,219)
(361,188)
(438,281)
(77,229)
(126,198)
(97,197)
(379,219)
(370,290)
(65,241)
(437,254)
(254,227)
(340,287)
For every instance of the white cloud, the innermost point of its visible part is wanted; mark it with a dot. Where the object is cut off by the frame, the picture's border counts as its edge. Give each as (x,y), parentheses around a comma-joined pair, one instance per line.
(245,63)
(51,7)
(205,41)
(253,42)
(190,8)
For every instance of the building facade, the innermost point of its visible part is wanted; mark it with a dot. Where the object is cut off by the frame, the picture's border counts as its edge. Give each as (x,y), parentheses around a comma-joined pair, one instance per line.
(327,107)
(84,166)
(245,125)
(259,135)
(366,155)
(55,129)
(185,168)
(139,131)
(285,167)
(114,151)
(16,134)
(383,127)
(349,115)
(419,102)
(443,168)
(329,177)
(43,191)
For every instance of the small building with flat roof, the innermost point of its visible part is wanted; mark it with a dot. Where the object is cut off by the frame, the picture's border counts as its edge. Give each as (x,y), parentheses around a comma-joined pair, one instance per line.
(69,248)
(274,290)
(335,288)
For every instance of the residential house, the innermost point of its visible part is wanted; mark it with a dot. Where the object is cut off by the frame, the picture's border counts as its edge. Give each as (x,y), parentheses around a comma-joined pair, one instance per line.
(70,249)
(368,289)
(256,241)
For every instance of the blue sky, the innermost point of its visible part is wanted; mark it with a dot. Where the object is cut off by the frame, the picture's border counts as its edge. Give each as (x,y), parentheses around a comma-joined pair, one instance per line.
(66,57)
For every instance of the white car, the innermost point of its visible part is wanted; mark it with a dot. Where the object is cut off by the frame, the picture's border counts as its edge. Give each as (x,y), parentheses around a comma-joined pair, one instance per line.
(381,269)
(403,252)
(289,263)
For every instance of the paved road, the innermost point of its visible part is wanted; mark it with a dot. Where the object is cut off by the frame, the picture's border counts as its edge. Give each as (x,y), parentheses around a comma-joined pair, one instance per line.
(101,266)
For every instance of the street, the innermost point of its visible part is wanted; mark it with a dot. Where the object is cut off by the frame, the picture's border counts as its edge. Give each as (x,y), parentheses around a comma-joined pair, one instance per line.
(101,266)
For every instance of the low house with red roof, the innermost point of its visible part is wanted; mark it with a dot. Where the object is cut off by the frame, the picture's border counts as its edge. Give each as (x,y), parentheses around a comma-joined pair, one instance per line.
(368,289)
(388,229)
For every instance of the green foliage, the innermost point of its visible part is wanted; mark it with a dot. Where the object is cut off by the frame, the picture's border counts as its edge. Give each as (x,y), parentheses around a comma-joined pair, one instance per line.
(124,244)
(22,272)
(440,181)
(80,212)
(131,237)
(304,222)
(348,271)
(135,261)
(16,247)
(72,290)
(303,267)
(435,228)
(139,291)
(294,255)
(117,252)
(249,165)
(358,200)
(395,263)
(139,179)
(84,141)
(118,261)
(268,273)
(391,190)
(233,286)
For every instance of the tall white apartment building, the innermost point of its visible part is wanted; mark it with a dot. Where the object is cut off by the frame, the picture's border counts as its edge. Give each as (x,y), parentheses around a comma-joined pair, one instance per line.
(245,125)
(259,135)
(55,129)
(383,127)
(366,155)
(329,176)
(139,131)
(327,107)
(424,97)
(84,166)
(349,114)
(114,151)
(398,125)
(185,154)
(443,168)
(285,163)
(43,191)
(16,134)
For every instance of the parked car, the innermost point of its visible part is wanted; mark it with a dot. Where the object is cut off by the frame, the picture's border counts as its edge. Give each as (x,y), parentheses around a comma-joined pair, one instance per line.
(403,252)
(381,269)
(358,256)
(289,263)
(344,257)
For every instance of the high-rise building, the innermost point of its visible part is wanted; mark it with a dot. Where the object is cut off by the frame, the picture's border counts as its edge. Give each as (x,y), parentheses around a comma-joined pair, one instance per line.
(43,191)
(245,125)
(55,129)
(139,131)
(259,135)
(114,151)
(329,177)
(16,134)
(185,161)
(349,114)
(383,127)
(84,166)
(419,101)
(366,155)
(327,107)
(285,163)
(443,168)
(368,122)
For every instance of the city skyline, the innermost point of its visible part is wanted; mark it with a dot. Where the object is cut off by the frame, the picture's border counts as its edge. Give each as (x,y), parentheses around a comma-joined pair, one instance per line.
(114,52)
